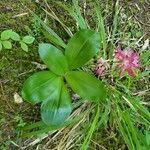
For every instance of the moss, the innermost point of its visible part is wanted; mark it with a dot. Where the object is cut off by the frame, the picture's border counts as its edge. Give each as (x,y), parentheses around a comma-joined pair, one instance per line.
(13,63)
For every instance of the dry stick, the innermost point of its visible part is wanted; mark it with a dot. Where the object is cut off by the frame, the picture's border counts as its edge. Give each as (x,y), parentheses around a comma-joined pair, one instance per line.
(73,139)
(140,93)
(138,19)
(20,15)
(137,43)
(33,143)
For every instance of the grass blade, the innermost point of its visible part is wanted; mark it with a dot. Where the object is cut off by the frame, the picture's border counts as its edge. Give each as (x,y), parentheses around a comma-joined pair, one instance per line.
(115,23)
(91,130)
(74,11)
(54,16)
(78,16)
(54,38)
(101,27)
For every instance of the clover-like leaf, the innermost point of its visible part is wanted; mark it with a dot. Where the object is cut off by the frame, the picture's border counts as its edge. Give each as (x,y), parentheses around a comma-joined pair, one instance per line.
(40,86)
(85,85)
(7,44)
(53,58)
(57,108)
(5,35)
(14,36)
(24,46)
(28,39)
(82,47)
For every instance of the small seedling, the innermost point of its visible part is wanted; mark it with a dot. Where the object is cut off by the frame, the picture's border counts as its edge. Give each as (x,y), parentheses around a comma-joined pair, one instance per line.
(7,36)
(4,40)
(25,41)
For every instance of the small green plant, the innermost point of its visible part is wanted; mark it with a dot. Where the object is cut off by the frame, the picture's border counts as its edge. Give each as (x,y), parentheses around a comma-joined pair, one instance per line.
(19,121)
(4,40)
(8,35)
(49,87)
(25,41)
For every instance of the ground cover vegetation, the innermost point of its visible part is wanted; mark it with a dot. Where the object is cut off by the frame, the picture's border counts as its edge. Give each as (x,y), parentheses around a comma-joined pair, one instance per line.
(86,71)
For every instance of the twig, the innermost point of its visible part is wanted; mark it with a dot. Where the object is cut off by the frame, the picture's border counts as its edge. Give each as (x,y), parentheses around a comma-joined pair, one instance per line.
(20,15)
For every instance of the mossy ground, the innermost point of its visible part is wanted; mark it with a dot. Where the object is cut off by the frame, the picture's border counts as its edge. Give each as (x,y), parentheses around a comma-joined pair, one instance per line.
(12,65)
(16,65)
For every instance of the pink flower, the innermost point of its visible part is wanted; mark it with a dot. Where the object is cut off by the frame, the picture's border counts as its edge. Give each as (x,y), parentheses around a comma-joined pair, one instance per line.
(128,60)
(101,67)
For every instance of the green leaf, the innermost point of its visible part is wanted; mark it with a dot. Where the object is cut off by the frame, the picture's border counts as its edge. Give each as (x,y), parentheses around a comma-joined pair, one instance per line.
(0,46)
(28,39)
(92,129)
(54,16)
(14,36)
(101,26)
(78,16)
(81,48)
(7,44)
(75,13)
(57,108)
(24,46)
(53,58)
(85,85)
(5,35)
(39,87)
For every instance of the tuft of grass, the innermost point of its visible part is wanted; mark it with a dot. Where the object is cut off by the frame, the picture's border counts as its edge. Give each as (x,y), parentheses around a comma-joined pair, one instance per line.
(75,13)
(101,27)
(50,34)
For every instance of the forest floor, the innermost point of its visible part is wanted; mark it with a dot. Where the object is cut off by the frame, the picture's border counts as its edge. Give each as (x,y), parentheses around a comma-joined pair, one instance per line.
(16,65)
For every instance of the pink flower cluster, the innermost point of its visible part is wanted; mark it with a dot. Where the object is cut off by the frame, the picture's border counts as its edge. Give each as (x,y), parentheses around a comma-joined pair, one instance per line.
(100,67)
(127,60)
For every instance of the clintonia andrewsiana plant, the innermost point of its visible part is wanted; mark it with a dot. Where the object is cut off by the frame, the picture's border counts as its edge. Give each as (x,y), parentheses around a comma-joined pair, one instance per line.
(49,87)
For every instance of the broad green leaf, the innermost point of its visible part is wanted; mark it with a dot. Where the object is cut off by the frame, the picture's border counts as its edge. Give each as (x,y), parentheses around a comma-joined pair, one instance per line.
(14,36)
(39,86)
(5,35)
(53,58)
(85,85)
(0,46)
(57,108)
(28,39)
(81,48)
(7,44)
(24,46)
